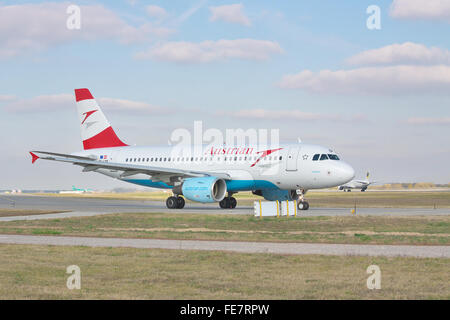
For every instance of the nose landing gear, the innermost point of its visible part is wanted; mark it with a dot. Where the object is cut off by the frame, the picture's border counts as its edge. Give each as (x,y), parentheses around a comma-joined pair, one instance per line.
(302,203)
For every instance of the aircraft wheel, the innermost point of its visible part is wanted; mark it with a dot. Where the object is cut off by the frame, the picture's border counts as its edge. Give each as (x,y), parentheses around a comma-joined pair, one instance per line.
(225,203)
(171,202)
(303,205)
(233,202)
(180,202)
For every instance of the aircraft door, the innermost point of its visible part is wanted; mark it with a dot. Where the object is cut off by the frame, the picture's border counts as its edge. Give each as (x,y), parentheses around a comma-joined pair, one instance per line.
(291,159)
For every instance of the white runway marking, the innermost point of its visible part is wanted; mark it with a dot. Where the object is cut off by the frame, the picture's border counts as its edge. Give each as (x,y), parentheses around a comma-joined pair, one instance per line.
(238,246)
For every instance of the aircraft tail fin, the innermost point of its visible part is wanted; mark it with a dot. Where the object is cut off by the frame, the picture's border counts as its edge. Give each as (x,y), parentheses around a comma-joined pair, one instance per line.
(96,131)
(367,176)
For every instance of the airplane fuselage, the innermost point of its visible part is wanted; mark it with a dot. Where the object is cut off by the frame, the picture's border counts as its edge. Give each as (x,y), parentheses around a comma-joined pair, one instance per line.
(286,167)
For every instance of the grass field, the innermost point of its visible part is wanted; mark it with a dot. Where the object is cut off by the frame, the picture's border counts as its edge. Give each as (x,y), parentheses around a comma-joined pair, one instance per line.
(39,272)
(21,212)
(385,199)
(430,230)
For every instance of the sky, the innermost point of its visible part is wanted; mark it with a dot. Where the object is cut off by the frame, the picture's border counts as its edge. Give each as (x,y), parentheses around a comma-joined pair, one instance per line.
(321,71)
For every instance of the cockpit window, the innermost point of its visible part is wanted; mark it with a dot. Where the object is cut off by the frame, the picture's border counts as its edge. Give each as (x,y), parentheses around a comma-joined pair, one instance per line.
(323,157)
(333,156)
(316,157)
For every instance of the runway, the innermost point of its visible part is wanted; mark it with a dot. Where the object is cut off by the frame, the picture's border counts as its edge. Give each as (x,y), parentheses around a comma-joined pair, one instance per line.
(94,206)
(84,207)
(238,246)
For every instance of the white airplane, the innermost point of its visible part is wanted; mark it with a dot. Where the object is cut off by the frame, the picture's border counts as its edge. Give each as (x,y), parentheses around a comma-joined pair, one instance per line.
(282,173)
(356,184)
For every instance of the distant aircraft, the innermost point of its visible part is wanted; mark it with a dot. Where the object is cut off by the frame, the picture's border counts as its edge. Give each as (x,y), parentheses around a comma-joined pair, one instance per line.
(213,175)
(80,189)
(356,184)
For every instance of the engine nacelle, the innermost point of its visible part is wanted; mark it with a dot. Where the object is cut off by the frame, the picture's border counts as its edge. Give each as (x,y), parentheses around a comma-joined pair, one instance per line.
(204,189)
(277,194)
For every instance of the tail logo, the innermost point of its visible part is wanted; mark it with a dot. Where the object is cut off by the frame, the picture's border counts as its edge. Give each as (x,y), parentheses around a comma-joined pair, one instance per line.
(87,114)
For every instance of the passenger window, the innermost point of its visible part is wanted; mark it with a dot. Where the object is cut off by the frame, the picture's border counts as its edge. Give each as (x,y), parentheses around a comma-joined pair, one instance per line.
(323,157)
(316,157)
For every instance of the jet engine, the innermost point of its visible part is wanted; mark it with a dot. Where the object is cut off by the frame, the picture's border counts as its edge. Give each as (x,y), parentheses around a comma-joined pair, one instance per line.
(204,189)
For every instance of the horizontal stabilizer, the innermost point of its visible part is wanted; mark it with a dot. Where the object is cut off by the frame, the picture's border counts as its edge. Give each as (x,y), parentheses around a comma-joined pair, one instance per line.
(33,157)
(60,155)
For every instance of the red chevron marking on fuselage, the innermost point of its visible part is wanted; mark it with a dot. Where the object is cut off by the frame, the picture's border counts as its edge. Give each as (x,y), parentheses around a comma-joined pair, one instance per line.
(264,154)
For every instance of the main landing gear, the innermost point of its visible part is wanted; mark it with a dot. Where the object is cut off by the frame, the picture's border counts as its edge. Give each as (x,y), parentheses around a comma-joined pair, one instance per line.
(228,202)
(175,202)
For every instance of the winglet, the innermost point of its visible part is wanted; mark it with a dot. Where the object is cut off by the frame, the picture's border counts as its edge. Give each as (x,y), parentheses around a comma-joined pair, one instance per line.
(34,157)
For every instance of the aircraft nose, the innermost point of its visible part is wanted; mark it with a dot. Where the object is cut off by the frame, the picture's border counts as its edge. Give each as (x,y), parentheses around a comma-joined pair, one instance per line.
(346,172)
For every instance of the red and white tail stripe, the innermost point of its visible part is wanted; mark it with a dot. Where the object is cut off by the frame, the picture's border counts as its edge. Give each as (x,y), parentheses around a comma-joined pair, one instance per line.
(96,132)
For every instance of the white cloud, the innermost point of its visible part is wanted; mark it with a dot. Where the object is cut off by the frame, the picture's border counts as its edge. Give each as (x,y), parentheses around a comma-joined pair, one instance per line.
(41,103)
(31,27)
(130,105)
(156,11)
(208,51)
(429,121)
(373,80)
(419,9)
(278,114)
(64,101)
(6,97)
(232,13)
(405,53)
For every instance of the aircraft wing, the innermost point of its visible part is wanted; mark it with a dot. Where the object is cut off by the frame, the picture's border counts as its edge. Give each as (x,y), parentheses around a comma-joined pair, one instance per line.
(156,173)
